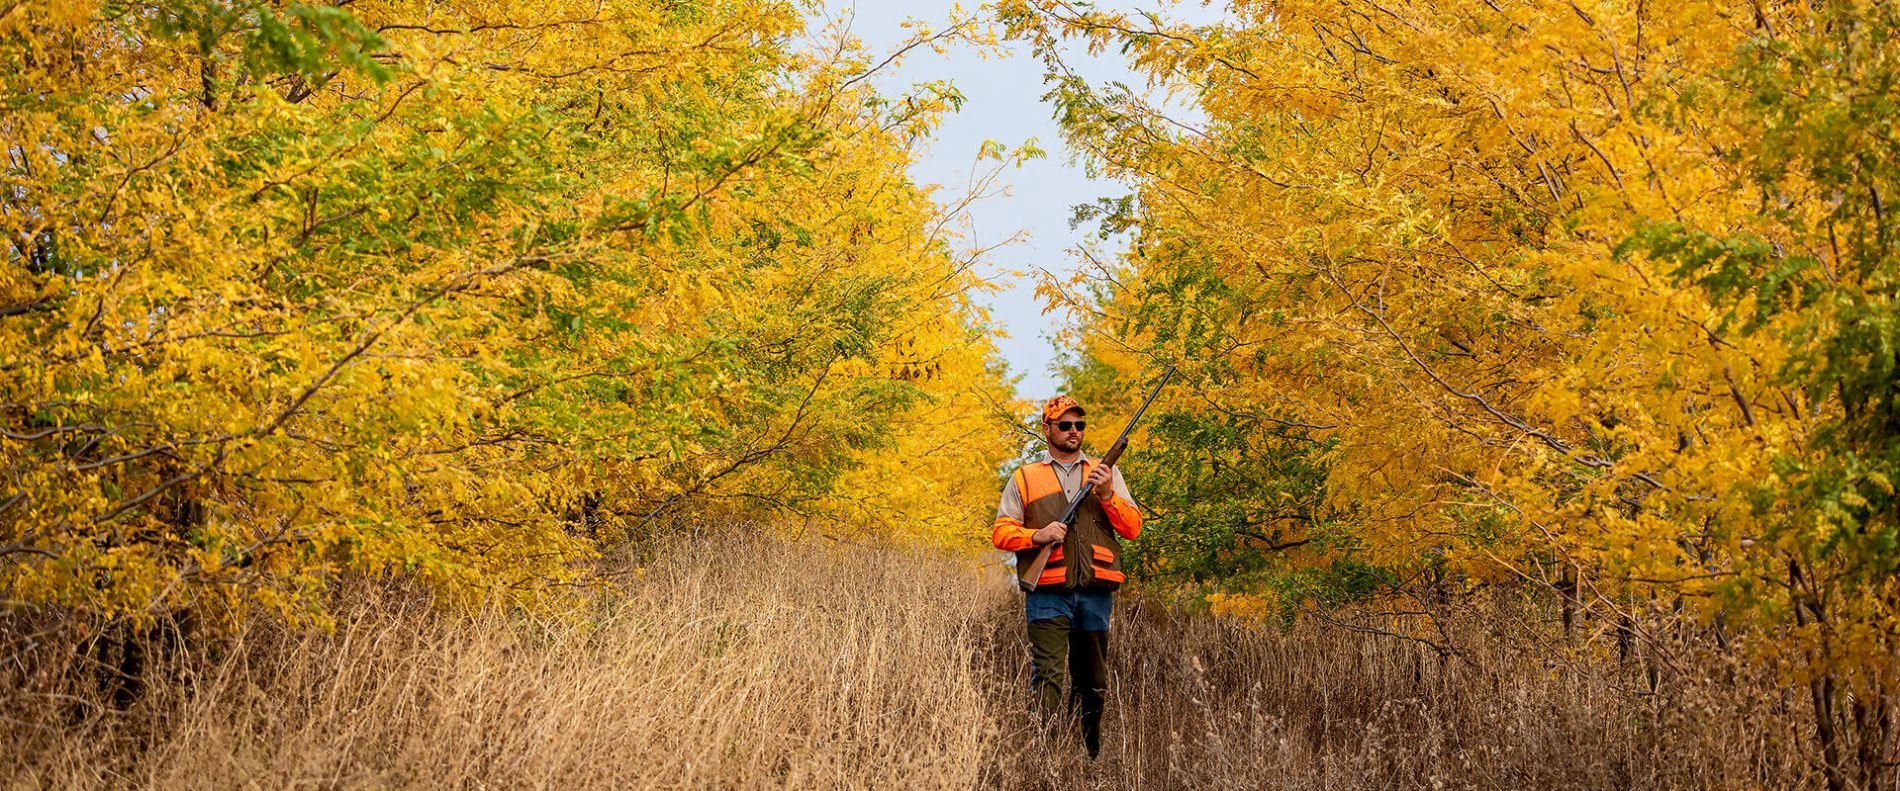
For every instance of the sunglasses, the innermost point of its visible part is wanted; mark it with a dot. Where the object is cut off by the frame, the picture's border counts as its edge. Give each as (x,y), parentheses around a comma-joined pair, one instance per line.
(1066,425)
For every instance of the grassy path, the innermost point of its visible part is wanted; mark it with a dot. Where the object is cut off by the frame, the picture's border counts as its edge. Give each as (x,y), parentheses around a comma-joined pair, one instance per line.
(752,663)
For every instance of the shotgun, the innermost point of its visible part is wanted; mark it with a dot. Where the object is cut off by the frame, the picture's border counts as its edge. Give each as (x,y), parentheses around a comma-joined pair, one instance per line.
(1028,579)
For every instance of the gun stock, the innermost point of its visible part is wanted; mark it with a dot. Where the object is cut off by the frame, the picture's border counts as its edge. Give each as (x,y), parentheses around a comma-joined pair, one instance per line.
(1028,580)
(1030,575)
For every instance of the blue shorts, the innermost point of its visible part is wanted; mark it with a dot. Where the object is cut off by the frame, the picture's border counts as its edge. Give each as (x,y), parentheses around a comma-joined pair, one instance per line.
(1086,609)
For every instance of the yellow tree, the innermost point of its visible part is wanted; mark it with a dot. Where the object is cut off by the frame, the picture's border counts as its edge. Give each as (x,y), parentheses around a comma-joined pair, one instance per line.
(1594,296)
(465,291)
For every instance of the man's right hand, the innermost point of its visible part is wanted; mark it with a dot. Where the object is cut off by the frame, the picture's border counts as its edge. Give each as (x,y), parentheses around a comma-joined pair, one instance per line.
(1050,533)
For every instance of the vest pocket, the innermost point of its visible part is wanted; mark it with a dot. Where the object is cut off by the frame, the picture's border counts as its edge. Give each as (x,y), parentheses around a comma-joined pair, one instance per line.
(1103,569)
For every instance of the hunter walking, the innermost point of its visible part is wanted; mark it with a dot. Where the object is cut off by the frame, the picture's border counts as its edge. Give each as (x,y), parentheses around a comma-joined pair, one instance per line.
(1069,607)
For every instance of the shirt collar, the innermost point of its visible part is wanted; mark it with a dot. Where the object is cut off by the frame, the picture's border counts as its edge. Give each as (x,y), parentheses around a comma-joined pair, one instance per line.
(1051,460)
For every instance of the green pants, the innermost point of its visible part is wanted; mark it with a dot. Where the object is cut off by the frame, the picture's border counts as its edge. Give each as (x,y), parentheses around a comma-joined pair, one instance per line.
(1061,656)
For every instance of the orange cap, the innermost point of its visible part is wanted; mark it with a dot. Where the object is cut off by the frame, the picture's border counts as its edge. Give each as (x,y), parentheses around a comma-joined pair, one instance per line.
(1060,404)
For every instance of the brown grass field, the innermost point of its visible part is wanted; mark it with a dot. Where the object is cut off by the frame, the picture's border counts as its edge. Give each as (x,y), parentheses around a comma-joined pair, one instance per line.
(755,663)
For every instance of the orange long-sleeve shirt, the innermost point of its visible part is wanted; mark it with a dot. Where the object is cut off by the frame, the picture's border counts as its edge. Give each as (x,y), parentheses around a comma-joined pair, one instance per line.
(1008,533)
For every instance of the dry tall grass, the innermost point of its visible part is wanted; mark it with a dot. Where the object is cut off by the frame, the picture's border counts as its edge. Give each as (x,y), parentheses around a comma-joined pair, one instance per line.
(752,663)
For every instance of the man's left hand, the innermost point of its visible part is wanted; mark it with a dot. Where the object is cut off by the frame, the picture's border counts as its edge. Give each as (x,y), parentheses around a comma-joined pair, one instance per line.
(1101,478)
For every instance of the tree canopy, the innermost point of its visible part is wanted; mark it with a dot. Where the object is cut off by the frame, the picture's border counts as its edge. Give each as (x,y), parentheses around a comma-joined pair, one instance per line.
(465,291)
(1593,297)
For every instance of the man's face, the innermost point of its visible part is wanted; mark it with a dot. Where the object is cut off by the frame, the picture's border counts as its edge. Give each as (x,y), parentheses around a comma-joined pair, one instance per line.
(1064,440)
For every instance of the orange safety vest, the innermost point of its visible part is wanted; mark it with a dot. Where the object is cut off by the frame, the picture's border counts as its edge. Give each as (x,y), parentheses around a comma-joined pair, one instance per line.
(1090,555)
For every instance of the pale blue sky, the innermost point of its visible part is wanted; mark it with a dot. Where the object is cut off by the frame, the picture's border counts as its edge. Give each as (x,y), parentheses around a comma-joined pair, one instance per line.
(1004,104)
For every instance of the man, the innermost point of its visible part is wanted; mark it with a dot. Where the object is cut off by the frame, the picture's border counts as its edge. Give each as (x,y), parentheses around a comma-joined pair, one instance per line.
(1068,611)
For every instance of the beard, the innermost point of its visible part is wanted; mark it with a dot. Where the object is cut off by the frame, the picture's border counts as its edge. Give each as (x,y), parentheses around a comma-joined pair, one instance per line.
(1065,445)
